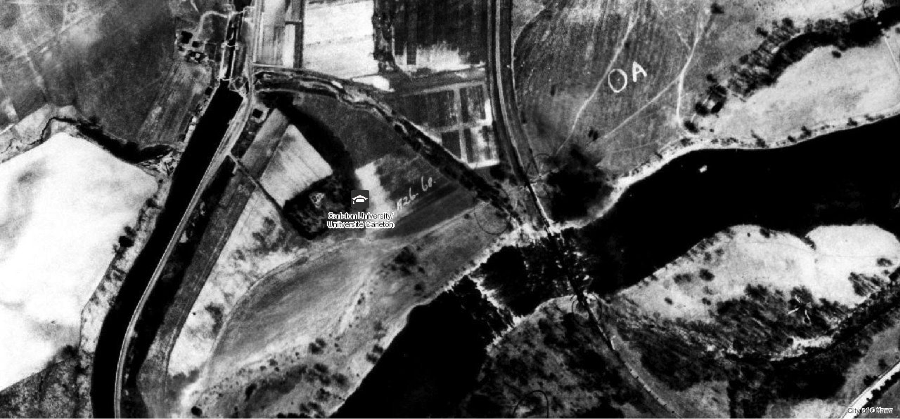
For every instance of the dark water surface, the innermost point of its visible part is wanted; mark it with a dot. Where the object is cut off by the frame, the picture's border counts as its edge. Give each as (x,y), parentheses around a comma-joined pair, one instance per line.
(434,361)
(196,158)
(846,177)
(843,178)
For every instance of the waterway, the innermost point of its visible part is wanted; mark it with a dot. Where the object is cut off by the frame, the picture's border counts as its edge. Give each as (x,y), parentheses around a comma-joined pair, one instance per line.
(197,156)
(842,178)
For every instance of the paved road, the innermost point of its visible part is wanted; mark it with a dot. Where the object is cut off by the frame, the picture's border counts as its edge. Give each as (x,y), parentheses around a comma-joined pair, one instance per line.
(854,408)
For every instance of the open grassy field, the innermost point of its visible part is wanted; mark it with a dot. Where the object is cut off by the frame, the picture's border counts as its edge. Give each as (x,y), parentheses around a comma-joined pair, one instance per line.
(404,180)
(824,264)
(294,166)
(562,84)
(287,324)
(765,306)
(316,324)
(67,202)
(364,135)
(524,11)
(258,244)
(828,86)
(622,80)
(114,60)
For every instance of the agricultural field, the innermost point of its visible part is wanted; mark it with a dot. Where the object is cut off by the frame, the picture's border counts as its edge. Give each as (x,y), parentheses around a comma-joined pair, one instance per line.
(277,42)
(295,165)
(378,42)
(68,202)
(349,51)
(434,36)
(427,58)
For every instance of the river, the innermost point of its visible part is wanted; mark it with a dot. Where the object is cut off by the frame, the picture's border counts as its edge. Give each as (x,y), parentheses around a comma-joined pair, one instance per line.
(845,177)
(842,178)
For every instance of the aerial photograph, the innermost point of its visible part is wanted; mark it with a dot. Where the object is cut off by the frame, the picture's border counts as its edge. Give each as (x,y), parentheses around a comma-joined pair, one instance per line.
(449,208)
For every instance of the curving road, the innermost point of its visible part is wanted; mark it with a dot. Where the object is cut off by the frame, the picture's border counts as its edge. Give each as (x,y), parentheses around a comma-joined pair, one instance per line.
(116,337)
(854,409)
(515,142)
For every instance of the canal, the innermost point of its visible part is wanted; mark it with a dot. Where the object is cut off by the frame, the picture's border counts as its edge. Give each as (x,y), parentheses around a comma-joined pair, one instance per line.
(197,156)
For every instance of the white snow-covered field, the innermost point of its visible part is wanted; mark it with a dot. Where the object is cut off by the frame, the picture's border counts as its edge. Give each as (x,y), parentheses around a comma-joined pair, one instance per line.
(339,39)
(294,166)
(63,206)
(743,256)
(233,275)
(819,89)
